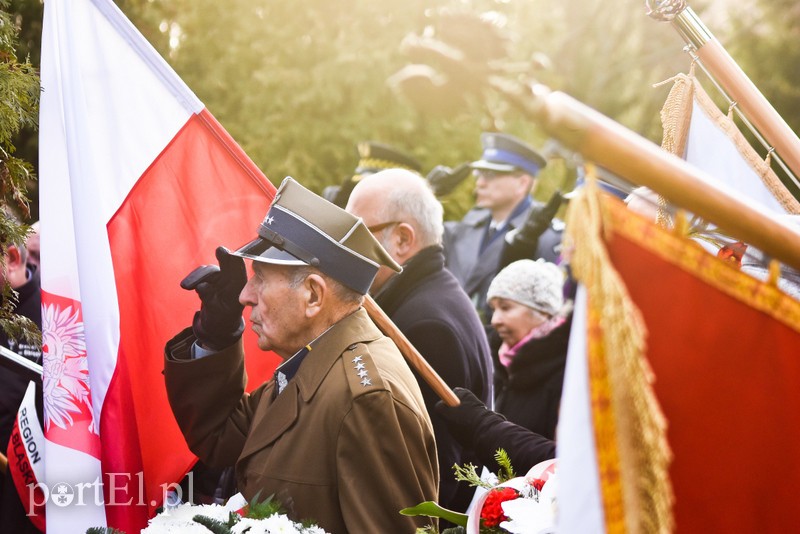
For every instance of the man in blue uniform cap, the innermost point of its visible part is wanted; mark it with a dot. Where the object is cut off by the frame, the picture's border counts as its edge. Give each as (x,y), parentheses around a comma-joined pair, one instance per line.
(504,178)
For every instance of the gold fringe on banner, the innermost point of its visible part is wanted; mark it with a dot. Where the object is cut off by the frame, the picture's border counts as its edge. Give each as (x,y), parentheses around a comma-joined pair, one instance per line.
(630,429)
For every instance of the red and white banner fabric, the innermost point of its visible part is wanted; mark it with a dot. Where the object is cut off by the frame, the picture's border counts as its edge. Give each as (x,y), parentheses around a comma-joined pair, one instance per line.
(721,348)
(26,458)
(138,185)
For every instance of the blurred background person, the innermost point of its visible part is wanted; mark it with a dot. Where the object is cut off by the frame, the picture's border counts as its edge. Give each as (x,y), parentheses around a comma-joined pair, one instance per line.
(504,178)
(529,343)
(372,157)
(23,279)
(426,303)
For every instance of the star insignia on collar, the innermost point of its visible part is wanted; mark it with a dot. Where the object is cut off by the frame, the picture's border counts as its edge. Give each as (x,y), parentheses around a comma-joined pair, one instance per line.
(360,366)
(270,219)
(366,382)
(363,373)
(357,359)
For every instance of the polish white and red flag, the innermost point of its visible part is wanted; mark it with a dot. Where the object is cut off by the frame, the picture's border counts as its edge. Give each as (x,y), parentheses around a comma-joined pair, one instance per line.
(138,185)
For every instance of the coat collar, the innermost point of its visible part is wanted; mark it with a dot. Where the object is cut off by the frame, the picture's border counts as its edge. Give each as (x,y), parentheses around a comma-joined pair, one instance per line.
(326,349)
(276,415)
(425,263)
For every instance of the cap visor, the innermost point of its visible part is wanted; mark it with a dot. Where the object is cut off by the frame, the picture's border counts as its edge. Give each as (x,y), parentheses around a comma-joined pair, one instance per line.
(261,250)
(484,165)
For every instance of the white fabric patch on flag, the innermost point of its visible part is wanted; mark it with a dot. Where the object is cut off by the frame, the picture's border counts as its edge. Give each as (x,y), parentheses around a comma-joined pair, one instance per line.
(579,501)
(137,183)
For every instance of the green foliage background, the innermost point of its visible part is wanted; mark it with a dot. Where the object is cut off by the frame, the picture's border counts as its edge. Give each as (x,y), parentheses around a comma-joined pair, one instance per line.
(299,83)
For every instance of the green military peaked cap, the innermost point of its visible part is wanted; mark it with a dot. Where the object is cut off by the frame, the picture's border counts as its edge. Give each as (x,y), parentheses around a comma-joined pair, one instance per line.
(302,228)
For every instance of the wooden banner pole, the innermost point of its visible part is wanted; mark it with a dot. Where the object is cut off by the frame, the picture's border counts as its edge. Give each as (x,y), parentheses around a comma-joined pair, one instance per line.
(638,160)
(411,354)
(739,87)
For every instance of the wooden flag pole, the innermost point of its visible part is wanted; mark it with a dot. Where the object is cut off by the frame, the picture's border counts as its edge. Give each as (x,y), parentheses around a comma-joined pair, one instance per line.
(741,90)
(411,354)
(642,162)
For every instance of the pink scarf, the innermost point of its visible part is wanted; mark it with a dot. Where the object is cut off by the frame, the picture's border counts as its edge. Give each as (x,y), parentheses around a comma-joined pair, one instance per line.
(506,353)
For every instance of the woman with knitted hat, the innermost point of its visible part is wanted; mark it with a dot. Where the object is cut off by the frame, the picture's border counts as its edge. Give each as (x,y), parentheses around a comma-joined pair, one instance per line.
(529,344)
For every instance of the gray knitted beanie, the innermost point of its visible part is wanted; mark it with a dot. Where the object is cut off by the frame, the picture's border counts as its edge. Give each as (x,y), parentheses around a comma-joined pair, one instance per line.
(535,284)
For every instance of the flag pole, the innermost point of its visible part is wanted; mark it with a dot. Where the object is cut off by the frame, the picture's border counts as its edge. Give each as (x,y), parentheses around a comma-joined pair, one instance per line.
(733,80)
(411,354)
(627,154)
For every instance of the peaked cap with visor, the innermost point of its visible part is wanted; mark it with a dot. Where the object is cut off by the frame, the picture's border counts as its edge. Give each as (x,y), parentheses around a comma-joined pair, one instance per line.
(302,228)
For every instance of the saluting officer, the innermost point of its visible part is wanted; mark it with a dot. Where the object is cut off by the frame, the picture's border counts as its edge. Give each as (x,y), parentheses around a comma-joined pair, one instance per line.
(504,178)
(340,434)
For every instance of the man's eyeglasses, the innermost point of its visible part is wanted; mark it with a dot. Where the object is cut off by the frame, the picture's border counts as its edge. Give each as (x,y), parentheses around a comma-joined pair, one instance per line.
(382,226)
(490,175)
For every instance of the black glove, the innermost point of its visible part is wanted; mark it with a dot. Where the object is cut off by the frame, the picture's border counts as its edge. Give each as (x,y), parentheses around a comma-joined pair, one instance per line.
(522,243)
(219,322)
(343,194)
(466,419)
(443,179)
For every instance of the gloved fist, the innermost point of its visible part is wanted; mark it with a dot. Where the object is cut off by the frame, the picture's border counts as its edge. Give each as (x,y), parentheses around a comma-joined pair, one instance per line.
(464,420)
(219,322)
(521,242)
(539,219)
(443,179)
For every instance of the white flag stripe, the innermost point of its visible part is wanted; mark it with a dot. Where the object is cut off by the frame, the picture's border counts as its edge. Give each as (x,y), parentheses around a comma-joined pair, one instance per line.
(711,150)
(110,143)
(579,502)
(97,76)
(68,466)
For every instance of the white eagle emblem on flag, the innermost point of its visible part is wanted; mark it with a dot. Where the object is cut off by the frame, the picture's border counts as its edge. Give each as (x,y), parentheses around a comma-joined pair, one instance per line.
(66,373)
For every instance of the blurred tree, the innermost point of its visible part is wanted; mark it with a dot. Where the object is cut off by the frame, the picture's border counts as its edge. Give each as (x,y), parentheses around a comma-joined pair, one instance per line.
(298,84)
(759,41)
(19,100)
(26,17)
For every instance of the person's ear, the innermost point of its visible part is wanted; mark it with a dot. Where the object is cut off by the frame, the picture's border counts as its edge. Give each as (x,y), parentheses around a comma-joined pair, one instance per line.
(405,238)
(316,291)
(13,257)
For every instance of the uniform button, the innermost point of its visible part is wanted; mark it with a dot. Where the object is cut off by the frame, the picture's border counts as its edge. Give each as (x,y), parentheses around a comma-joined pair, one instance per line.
(353,346)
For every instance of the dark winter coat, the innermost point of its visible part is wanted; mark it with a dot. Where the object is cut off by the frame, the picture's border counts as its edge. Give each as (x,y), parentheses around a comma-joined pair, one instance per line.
(427,304)
(12,390)
(528,392)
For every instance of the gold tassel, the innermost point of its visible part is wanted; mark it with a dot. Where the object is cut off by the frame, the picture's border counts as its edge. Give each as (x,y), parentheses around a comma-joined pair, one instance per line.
(630,429)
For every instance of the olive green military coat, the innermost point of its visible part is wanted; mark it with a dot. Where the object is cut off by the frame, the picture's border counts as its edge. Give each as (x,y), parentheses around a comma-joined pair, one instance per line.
(347,443)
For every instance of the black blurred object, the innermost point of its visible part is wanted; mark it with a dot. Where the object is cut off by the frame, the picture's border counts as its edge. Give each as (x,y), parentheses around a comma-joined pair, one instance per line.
(443,179)
(465,419)
(372,157)
(522,242)
(485,431)
(453,58)
(342,193)
(219,322)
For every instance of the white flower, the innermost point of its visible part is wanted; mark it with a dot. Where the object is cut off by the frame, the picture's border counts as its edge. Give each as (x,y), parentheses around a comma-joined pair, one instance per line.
(533,515)
(180,520)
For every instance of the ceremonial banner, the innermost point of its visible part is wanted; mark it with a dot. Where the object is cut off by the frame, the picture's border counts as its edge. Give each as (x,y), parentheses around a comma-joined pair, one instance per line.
(722,348)
(696,130)
(26,458)
(138,185)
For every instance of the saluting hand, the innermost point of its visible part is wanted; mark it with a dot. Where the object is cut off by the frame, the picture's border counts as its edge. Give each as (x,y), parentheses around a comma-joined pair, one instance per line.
(219,322)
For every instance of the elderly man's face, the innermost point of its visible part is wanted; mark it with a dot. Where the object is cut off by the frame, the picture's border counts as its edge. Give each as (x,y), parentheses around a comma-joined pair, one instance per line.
(278,310)
(500,191)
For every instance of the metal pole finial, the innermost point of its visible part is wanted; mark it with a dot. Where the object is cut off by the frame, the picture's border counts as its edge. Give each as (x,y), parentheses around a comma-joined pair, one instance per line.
(664,10)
